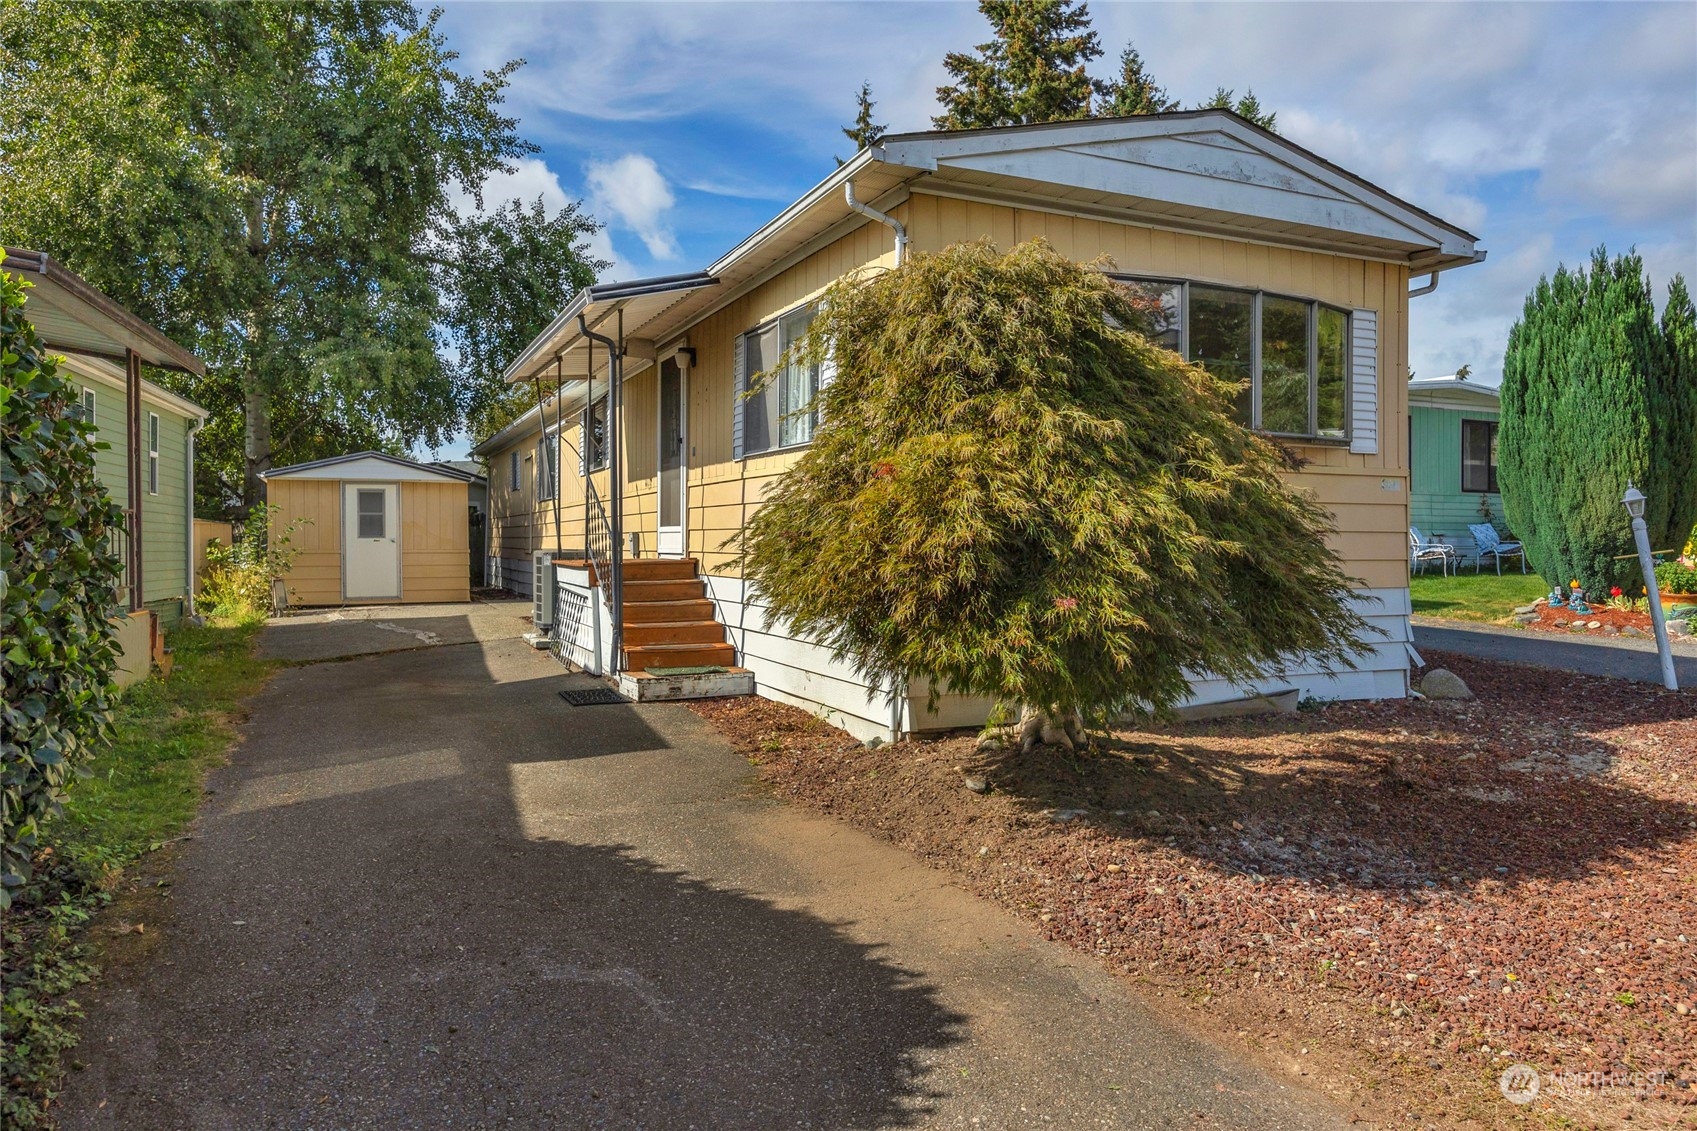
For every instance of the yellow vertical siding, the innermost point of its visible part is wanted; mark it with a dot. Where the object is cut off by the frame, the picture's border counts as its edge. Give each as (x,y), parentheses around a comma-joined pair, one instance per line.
(435,546)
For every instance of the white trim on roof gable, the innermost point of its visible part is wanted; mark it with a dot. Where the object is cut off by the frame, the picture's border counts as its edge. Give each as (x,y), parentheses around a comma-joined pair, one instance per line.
(369,465)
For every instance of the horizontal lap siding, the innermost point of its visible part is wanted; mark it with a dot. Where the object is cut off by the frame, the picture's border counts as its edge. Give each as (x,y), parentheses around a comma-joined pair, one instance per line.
(315,577)
(435,545)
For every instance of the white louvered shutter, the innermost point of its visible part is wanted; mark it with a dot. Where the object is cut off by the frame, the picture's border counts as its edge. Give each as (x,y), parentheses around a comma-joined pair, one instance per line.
(1364,382)
(739,386)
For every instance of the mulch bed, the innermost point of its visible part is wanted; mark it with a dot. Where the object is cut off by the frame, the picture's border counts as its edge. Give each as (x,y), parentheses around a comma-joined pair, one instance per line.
(1395,900)
(1609,621)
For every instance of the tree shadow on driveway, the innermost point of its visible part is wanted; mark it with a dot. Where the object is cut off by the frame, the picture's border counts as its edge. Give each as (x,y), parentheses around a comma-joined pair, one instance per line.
(377,941)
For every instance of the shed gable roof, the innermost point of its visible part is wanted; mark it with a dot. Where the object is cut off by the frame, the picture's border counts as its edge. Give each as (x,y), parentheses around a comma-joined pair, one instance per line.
(363,465)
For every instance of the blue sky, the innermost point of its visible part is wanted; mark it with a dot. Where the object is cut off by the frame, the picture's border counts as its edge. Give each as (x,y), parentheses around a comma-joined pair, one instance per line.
(1545,129)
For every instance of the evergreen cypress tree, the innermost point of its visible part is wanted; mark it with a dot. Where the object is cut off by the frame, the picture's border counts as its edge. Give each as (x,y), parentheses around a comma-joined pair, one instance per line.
(1134,91)
(1597,393)
(865,132)
(1033,70)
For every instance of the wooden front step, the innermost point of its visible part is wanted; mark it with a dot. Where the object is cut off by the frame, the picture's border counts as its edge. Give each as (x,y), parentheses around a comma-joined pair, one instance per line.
(640,569)
(673,612)
(682,589)
(679,656)
(707,631)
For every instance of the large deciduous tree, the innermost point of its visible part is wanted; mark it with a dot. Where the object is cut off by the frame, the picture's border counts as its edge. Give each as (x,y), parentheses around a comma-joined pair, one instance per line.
(1013,493)
(273,184)
(1596,392)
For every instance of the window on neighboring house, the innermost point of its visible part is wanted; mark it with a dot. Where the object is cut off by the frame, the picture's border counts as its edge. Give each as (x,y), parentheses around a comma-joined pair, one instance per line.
(514,472)
(1479,456)
(88,405)
(153,453)
(1292,354)
(779,413)
(594,454)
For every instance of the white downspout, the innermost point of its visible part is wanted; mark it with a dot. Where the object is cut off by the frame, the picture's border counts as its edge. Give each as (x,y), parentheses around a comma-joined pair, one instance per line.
(882,218)
(1431,285)
(188,518)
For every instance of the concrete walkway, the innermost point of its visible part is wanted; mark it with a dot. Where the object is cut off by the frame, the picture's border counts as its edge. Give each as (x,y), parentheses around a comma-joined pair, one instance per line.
(1589,655)
(428,893)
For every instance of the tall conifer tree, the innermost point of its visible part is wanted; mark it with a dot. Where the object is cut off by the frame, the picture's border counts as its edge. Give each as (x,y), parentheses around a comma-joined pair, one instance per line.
(865,132)
(1033,70)
(1596,392)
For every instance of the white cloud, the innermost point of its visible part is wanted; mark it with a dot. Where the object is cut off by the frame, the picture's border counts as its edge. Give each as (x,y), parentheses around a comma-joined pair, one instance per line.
(528,179)
(632,189)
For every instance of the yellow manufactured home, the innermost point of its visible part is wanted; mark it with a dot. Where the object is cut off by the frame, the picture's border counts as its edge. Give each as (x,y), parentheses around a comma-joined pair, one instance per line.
(1266,259)
(371,528)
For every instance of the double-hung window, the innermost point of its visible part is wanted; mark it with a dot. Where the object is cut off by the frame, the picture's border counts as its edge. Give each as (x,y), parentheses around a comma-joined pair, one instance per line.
(776,406)
(88,405)
(153,453)
(1290,353)
(1479,456)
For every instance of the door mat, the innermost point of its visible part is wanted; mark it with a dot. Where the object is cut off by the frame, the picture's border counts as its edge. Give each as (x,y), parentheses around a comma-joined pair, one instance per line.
(591,696)
(700,669)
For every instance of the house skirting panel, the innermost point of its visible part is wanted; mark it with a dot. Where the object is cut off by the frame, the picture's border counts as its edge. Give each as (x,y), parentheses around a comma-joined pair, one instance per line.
(803,674)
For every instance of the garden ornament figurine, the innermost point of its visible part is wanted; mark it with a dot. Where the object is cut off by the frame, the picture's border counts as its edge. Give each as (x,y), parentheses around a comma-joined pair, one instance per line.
(1557,599)
(1576,603)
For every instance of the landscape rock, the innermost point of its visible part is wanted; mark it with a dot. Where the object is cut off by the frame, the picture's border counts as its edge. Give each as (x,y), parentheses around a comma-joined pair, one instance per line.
(1524,609)
(1065,815)
(1441,683)
(1526,618)
(1594,624)
(1679,628)
(978,785)
(1629,630)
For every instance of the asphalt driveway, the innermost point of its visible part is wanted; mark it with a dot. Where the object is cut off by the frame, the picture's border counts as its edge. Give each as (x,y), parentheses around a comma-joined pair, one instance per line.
(1635,660)
(428,893)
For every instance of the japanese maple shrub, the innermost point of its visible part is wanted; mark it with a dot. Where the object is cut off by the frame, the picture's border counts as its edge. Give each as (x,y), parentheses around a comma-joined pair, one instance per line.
(58,581)
(1014,493)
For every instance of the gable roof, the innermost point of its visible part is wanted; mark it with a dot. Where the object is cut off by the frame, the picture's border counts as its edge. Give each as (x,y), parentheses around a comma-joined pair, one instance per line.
(417,470)
(111,375)
(1196,170)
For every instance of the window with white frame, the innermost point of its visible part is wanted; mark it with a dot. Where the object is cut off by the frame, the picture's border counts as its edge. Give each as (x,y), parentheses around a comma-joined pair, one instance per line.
(779,412)
(153,453)
(515,474)
(1292,353)
(88,405)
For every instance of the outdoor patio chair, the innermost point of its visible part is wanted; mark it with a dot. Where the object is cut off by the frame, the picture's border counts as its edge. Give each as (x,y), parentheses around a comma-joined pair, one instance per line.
(1486,540)
(1421,551)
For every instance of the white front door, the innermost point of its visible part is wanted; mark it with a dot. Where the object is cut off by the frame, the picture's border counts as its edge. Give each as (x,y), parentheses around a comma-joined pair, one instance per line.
(371,541)
(673,462)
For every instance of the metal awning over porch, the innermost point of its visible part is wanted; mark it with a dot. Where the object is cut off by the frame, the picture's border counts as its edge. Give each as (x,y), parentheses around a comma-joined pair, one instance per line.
(626,312)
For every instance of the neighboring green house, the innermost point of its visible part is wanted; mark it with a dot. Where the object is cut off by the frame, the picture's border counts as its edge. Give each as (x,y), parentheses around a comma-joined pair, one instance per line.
(104,347)
(167,476)
(1452,440)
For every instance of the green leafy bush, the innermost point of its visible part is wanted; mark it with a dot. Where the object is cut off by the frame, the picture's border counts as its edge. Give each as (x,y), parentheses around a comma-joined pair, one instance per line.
(1672,577)
(237,579)
(59,577)
(1013,495)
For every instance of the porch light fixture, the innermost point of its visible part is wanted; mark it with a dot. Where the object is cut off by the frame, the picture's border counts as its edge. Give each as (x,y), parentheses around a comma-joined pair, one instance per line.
(1633,500)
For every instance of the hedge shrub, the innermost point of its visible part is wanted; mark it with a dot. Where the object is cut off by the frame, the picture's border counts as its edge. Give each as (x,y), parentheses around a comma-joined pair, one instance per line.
(59,577)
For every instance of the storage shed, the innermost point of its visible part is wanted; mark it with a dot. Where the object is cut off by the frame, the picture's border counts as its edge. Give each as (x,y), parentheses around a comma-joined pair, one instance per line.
(378,529)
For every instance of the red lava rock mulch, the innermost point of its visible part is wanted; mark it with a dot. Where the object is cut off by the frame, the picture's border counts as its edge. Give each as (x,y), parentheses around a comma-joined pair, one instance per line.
(1396,899)
(1609,621)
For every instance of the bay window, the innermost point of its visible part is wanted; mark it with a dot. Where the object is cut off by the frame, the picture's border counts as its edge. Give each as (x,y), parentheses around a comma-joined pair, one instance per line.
(1291,354)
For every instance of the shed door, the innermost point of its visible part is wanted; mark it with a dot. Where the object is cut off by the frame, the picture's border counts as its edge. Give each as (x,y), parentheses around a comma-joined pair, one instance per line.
(371,541)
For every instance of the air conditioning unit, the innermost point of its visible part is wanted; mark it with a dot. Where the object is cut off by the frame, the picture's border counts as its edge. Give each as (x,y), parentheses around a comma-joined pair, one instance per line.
(542,589)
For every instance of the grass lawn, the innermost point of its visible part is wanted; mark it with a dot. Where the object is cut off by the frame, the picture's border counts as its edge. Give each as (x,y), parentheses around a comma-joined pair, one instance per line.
(140,791)
(1467,596)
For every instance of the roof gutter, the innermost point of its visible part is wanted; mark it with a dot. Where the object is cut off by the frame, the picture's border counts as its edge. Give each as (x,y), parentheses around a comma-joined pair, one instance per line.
(1431,283)
(882,217)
